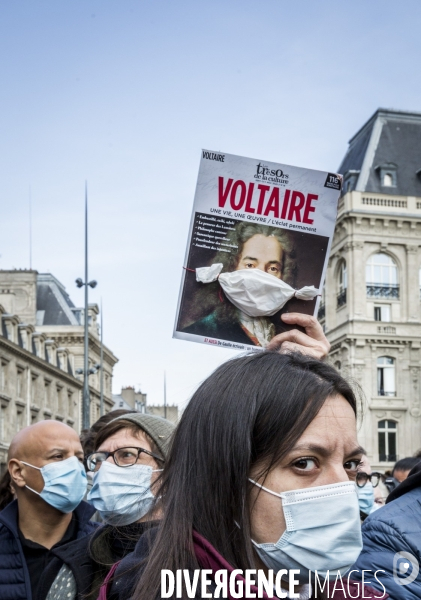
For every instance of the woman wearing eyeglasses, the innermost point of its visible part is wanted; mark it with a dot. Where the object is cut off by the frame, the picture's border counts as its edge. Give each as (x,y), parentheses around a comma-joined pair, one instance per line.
(129,455)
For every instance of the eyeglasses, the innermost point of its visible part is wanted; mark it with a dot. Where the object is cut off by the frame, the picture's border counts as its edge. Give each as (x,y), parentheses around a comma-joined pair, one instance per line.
(123,457)
(374,477)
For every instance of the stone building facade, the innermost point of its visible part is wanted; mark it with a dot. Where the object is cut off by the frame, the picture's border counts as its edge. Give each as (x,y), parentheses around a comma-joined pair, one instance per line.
(136,400)
(41,351)
(371,308)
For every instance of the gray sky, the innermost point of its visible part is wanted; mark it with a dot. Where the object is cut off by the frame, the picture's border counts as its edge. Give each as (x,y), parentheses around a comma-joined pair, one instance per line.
(125,93)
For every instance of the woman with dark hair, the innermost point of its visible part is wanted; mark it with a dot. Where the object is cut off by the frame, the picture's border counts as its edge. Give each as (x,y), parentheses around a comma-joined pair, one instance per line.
(127,457)
(261,475)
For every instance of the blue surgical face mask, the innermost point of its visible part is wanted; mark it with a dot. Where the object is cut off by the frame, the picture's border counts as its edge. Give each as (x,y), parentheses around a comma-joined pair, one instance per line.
(323,531)
(64,483)
(366,498)
(122,495)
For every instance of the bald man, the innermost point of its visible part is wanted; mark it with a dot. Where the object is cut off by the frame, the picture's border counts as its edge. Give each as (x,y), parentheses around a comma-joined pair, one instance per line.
(46,470)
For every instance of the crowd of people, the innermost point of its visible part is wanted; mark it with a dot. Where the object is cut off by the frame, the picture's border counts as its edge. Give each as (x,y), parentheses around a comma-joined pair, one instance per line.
(262,474)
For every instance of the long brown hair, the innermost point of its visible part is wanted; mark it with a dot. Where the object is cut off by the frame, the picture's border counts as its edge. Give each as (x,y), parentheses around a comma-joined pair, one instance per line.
(250,411)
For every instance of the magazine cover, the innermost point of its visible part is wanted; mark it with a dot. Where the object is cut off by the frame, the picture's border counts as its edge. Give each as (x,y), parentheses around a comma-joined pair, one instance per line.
(258,246)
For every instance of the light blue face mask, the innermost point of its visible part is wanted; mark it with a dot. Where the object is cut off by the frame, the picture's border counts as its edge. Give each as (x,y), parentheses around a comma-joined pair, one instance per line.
(323,531)
(65,483)
(122,495)
(366,498)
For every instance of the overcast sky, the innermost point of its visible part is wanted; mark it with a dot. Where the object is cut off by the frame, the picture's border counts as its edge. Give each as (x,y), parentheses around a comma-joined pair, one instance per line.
(125,93)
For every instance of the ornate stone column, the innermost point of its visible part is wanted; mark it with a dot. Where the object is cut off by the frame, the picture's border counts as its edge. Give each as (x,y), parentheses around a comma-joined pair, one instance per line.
(412,283)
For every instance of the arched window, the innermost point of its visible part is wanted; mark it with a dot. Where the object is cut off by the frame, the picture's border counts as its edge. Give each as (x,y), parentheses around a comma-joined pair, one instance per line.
(342,285)
(386,376)
(381,275)
(387,180)
(322,306)
(387,432)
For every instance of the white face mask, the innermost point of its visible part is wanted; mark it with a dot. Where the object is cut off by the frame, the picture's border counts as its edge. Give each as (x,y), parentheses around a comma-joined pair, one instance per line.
(122,495)
(253,291)
(323,531)
(65,483)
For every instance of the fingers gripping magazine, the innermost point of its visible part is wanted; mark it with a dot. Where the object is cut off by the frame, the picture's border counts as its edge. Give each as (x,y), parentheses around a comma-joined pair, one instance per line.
(258,246)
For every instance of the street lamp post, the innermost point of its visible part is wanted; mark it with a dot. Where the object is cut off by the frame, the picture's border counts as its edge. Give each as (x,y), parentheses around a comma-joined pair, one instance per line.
(101,362)
(92,284)
(165,394)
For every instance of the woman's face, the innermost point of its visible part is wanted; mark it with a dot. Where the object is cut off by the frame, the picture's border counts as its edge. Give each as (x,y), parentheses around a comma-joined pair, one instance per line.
(125,438)
(326,453)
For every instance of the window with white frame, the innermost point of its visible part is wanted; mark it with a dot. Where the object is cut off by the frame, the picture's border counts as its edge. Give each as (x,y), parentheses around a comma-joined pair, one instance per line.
(381,269)
(342,284)
(19,420)
(2,422)
(382,312)
(34,385)
(386,385)
(387,180)
(59,403)
(387,431)
(320,315)
(19,383)
(381,275)
(70,403)
(343,277)
(3,373)
(46,392)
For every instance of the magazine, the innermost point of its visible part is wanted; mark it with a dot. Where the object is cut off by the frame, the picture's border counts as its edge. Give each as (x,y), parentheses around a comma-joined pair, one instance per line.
(258,246)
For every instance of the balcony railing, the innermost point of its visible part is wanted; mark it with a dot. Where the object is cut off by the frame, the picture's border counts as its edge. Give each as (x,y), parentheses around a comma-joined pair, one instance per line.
(388,329)
(381,290)
(322,312)
(341,298)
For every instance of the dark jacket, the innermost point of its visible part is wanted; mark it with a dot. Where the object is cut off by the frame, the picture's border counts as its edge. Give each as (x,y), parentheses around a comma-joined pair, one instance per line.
(89,559)
(392,541)
(128,571)
(14,577)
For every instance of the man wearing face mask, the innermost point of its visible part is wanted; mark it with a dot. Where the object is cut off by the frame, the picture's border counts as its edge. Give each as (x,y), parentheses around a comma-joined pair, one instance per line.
(47,473)
(129,454)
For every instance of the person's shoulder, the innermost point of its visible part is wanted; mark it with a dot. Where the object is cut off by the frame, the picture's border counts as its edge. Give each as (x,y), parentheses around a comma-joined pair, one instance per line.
(83,514)
(394,527)
(142,548)
(9,518)
(399,512)
(130,566)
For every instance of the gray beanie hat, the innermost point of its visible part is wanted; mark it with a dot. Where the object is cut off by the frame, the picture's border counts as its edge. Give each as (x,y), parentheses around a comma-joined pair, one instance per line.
(157,428)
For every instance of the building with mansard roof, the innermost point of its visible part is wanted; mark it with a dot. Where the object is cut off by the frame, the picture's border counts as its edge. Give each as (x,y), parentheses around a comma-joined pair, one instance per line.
(132,399)
(371,308)
(41,352)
